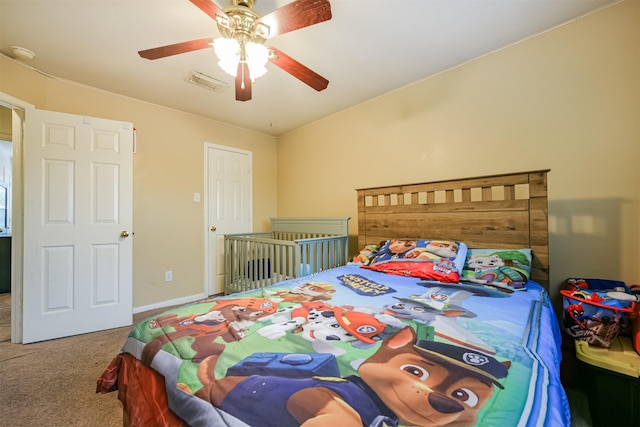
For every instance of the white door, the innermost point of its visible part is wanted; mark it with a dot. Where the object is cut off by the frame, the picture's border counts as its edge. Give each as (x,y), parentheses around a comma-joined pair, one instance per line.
(228,190)
(77,225)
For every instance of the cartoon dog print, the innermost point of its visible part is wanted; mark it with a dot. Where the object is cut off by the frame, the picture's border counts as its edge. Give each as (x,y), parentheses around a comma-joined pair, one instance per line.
(393,249)
(311,291)
(440,307)
(324,326)
(492,269)
(227,319)
(434,249)
(405,382)
(365,255)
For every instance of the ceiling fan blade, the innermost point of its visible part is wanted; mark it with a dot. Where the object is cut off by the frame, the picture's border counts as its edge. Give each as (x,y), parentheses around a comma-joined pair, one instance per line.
(297,70)
(243,82)
(296,15)
(175,49)
(210,8)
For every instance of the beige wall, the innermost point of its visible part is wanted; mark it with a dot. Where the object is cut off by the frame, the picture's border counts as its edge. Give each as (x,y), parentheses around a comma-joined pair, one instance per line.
(567,100)
(5,124)
(168,168)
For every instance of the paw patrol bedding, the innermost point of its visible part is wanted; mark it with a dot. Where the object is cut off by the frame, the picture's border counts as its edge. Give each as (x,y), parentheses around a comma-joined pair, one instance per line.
(349,346)
(506,268)
(428,259)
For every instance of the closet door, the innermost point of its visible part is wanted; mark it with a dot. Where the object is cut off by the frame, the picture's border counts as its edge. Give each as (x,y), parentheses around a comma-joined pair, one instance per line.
(228,186)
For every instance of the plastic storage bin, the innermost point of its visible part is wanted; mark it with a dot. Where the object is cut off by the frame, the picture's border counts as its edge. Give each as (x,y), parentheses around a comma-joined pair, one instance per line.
(612,381)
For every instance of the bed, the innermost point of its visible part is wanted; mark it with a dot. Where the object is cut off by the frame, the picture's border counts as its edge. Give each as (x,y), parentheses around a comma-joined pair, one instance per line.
(294,247)
(422,338)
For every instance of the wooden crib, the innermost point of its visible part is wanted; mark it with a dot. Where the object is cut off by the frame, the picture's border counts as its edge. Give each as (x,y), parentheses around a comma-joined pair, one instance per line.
(294,247)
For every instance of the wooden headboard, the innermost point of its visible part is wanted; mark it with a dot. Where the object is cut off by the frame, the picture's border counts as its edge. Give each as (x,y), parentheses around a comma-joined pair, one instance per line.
(497,211)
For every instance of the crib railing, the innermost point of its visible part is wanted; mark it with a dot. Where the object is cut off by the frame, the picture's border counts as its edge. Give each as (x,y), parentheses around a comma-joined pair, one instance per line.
(256,260)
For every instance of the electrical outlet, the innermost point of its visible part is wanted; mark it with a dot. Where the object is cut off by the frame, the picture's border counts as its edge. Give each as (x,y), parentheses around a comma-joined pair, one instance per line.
(168,276)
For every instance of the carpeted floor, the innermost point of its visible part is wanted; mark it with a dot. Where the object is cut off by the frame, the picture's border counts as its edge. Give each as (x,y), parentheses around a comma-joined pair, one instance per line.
(5,317)
(52,383)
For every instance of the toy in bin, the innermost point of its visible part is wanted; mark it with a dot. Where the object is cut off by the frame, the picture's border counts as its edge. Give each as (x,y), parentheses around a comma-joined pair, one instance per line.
(597,310)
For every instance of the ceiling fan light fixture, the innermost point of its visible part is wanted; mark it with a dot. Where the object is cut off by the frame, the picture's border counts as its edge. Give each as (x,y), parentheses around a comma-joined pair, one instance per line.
(230,52)
(241,51)
(257,57)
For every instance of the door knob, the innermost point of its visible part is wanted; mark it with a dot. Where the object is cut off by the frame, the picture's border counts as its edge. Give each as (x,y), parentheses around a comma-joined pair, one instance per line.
(213,228)
(124,234)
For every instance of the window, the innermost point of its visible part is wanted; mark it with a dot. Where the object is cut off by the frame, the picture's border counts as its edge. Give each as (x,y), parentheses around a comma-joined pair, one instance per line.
(4,230)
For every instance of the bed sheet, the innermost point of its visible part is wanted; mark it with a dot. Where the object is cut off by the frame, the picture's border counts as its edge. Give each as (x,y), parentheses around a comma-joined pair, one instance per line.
(359,345)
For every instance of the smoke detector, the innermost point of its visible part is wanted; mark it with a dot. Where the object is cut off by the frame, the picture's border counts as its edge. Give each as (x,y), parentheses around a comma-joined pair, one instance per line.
(22,53)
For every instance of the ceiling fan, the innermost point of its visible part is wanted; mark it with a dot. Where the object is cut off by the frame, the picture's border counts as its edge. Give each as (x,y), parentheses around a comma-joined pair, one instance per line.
(244,33)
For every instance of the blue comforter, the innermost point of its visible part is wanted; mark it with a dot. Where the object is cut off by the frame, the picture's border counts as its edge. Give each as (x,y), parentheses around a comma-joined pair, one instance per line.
(351,346)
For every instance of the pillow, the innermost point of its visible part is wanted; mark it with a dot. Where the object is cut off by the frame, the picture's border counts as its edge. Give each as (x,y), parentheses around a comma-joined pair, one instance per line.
(365,255)
(438,260)
(509,268)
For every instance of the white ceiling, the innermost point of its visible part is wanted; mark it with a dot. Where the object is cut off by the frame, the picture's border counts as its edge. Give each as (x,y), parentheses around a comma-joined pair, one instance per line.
(368,48)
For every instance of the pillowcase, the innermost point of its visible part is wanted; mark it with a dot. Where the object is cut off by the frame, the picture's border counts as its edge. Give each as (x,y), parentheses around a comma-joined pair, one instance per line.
(508,268)
(365,255)
(438,260)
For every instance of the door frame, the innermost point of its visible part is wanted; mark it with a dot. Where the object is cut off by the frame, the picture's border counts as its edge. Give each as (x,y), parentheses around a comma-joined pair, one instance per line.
(209,273)
(19,109)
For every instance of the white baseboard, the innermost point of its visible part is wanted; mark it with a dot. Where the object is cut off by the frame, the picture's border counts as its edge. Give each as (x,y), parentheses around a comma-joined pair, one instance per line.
(169,303)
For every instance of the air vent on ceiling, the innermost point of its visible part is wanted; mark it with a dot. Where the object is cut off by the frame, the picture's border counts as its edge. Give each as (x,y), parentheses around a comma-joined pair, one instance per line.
(206,82)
